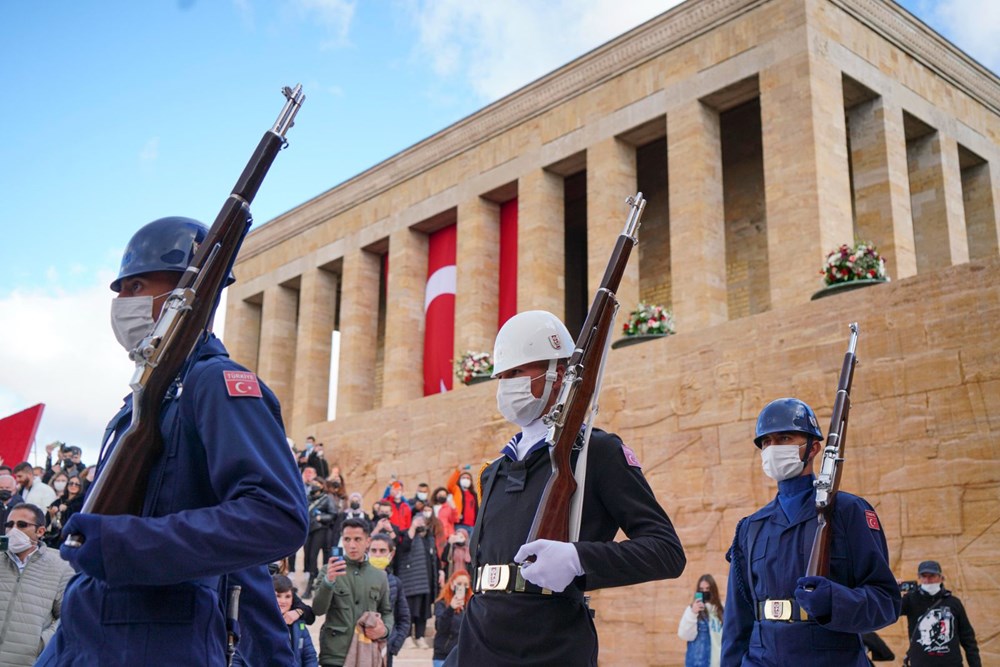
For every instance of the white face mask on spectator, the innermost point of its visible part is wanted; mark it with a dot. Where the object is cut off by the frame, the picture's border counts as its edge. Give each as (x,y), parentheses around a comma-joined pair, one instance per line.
(18,542)
(931,589)
(59,486)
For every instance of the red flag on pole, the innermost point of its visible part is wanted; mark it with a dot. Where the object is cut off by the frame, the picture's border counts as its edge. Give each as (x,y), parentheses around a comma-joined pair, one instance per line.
(439,311)
(17,432)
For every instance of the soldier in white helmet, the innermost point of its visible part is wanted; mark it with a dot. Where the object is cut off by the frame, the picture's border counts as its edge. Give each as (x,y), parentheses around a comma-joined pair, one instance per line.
(535,613)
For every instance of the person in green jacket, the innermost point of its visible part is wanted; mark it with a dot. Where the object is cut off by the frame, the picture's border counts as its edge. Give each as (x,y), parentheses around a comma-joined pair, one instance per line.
(351,587)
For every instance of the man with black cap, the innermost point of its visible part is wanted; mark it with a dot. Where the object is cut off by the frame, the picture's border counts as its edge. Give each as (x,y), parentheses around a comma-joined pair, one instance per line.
(937,623)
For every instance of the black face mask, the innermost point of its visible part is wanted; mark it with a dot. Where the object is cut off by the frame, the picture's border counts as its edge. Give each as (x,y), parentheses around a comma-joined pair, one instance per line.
(355,505)
(441,500)
(5,495)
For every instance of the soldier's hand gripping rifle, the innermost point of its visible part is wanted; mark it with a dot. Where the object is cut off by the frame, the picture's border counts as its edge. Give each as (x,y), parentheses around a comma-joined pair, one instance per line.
(828,480)
(558,514)
(120,487)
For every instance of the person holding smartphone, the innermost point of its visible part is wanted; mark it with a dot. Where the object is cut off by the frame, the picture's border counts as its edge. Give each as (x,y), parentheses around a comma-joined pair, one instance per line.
(701,625)
(350,587)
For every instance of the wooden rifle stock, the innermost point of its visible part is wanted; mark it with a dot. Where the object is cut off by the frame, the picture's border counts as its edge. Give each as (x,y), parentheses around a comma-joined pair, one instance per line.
(828,480)
(122,483)
(580,385)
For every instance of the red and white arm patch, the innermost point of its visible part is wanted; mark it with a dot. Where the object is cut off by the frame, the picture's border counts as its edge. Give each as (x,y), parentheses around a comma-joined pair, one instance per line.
(242,383)
(872,519)
(630,456)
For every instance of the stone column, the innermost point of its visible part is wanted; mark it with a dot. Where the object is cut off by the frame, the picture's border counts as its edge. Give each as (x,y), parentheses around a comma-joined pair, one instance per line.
(477,271)
(358,324)
(939,233)
(611,177)
(807,191)
(980,210)
(541,253)
(881,183)
(317,312)
(697,217)
(404,319)
(242,335)
(276,361)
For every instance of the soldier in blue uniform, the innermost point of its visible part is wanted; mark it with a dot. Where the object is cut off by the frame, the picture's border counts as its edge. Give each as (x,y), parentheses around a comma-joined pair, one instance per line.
(224,499)
(535,613)
(774,614)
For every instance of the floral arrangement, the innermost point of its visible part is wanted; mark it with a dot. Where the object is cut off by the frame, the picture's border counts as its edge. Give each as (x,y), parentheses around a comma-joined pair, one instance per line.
(862,262)
(647,319)
(473,364)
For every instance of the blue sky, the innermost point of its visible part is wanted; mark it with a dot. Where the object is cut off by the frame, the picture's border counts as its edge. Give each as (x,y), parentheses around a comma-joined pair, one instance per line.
(118,112)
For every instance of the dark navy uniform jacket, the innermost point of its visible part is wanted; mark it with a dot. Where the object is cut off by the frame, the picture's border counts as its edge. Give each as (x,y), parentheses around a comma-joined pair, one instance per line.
(224,499)
(535,629)
(865,596)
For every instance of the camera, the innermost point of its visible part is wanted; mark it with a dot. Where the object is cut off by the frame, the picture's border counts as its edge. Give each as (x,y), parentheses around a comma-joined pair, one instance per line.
(907,586)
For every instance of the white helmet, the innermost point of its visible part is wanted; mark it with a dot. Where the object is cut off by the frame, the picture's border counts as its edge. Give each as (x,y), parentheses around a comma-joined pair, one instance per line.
(534,335)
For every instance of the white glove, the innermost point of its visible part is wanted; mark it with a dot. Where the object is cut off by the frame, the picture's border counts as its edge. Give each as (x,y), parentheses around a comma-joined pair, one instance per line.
(555,566)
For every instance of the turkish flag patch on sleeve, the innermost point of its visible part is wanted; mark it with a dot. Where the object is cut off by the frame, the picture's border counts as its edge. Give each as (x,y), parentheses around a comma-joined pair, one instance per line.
(630,456)
(872,520)
(242,383)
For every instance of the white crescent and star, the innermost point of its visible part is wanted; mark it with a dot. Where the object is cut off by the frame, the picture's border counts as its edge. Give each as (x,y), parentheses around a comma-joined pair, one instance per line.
(441,282)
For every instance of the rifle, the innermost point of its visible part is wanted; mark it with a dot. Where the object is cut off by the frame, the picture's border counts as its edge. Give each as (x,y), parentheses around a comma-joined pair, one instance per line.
(828,480)
(558,513)
(120,487)
(232,623)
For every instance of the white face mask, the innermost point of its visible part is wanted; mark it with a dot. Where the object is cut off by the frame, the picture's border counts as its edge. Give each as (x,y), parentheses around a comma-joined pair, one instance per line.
(59,486)
(931,589)
(781,462)
(18,542)
(421,495)
(465,482)
(132,320)
(516,402)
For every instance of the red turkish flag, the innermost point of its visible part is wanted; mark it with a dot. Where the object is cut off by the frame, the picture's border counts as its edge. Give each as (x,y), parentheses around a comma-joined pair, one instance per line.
(439,311)
(17,432)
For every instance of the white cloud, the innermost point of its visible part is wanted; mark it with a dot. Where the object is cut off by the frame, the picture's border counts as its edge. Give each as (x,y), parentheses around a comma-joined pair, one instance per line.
(57,348)
(972,25)
(499,47)
(334,15)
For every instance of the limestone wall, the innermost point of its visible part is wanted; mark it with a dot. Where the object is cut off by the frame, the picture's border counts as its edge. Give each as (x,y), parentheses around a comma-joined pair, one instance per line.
(922,447)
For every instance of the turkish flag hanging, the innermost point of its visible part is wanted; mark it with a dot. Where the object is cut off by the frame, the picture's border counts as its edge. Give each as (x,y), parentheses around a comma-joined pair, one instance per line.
(507,287)
(439,311)
(17,432)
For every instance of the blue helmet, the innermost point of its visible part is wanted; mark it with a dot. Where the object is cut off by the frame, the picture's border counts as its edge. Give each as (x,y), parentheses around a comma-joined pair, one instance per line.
(167,244)
(787,415)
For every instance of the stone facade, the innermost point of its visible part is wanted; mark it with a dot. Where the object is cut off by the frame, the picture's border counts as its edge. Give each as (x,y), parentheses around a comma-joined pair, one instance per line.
(765,133)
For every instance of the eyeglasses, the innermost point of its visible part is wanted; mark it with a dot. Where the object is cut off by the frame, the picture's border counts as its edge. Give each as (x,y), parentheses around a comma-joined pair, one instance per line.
(20,524)
(73,484)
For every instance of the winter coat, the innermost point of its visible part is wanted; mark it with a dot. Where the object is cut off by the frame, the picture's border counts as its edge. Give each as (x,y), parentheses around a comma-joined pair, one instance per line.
(303,651)
(416,566)
(400,615)
(938,625)
(30,604)
(362,588)
(446,625)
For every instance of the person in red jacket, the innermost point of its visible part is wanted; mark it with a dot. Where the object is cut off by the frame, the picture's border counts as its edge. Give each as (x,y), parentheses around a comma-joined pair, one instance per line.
(401,513)
(463,492)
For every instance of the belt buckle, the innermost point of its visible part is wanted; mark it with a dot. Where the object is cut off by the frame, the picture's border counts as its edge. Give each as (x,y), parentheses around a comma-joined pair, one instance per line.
(494,578)
(778,610)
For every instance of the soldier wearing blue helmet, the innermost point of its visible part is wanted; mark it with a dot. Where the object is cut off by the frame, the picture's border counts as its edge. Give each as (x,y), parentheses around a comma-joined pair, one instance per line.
(224,499)
(774,614)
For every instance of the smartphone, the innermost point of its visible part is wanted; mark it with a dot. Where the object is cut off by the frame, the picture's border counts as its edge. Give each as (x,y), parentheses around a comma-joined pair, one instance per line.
(699,596)
(3,543)
(337,552)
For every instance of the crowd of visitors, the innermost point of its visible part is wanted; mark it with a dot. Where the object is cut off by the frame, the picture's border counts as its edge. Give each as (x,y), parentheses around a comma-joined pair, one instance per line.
(412,549)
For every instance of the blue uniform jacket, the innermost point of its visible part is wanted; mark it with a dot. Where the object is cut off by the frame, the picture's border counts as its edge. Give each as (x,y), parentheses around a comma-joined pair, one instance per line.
(864,595)
(224,499)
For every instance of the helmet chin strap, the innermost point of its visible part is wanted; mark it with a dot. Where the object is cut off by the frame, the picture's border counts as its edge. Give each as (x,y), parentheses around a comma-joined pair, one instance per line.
(550,378)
